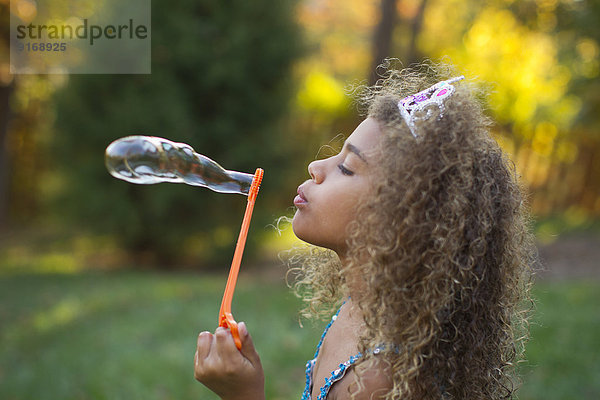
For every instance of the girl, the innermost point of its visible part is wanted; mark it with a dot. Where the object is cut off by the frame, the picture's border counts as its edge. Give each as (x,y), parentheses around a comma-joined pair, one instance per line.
(429,253)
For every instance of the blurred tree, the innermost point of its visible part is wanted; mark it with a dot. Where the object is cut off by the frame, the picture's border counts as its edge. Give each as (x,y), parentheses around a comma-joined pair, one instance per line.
(578,34)
(5,91)
(382,37)
(540,57)
(410,16)
(24,121)
(6,87)
(220,82)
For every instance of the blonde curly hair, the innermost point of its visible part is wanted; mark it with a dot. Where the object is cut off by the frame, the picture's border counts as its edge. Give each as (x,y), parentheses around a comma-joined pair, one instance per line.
(450,252)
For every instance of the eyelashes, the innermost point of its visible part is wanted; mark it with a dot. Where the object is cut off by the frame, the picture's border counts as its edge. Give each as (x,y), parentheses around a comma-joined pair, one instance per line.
(345,170)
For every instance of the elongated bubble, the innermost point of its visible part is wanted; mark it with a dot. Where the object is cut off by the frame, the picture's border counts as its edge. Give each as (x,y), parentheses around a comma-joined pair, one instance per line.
(147,160)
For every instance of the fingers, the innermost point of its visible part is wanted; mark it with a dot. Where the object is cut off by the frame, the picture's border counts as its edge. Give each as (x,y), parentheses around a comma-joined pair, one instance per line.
(219,350)
(225,346)
(248,349)
(221,367)
(213,350)
(205,340)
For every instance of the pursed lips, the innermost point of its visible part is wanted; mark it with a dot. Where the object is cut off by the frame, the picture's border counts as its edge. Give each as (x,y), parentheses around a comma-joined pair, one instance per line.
(301,198)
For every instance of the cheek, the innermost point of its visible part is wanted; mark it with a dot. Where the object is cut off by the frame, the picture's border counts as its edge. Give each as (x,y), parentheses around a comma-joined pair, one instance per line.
(344,209)
(318,225)
(342,212)
(325,220)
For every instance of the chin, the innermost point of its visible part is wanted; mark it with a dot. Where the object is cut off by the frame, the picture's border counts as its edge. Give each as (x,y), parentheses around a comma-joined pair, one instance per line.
(297,228)
(311,239)
(308,231)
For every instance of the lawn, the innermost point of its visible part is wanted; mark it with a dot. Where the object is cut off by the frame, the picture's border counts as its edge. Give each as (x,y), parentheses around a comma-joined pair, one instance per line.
(564,350)
(131,335)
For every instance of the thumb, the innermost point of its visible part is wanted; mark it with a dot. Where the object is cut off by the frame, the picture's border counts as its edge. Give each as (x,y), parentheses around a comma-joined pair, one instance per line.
(248,349)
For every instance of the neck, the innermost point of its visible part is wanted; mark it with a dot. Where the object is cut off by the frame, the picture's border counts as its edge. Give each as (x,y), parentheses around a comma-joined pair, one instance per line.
(352,275)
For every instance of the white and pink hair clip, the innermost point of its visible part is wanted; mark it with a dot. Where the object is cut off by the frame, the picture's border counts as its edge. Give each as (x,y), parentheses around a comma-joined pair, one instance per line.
(435,95)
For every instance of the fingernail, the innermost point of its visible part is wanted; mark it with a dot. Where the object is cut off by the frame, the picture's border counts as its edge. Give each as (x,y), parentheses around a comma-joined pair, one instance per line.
(242,328)
(202,335)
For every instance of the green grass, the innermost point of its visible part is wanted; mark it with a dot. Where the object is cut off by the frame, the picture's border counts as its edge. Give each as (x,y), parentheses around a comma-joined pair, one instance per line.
(132,335)
(564,350)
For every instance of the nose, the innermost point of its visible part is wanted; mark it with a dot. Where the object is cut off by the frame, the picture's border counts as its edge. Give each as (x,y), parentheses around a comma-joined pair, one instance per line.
(315,171)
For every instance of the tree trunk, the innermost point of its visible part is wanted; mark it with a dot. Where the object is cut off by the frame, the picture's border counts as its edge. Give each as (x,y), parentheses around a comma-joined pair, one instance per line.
(413,55)
(382,38)
(5,92)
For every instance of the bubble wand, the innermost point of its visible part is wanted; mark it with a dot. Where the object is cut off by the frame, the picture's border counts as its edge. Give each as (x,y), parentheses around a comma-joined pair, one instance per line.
(149,160)
(225,317)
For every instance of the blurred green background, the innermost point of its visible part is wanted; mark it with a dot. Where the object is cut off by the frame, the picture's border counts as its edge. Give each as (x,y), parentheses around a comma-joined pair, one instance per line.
(104,285)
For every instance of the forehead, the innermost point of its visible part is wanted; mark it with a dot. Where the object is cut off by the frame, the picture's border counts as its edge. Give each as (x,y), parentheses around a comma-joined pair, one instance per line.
(366,135)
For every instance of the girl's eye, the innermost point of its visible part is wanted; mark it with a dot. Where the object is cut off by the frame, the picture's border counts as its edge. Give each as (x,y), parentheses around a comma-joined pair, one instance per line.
(345,170)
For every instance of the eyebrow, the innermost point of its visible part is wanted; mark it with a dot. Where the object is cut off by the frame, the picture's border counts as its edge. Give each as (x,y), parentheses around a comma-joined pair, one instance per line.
(356,151)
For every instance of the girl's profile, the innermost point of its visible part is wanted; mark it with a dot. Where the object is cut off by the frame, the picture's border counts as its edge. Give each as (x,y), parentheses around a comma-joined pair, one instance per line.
(419,251)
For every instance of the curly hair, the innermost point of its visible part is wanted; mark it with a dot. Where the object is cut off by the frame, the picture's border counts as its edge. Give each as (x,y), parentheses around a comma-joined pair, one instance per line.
(449,244)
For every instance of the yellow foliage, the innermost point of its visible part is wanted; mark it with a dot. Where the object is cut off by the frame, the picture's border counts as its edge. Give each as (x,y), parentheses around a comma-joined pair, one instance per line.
(587,49)
(26,10)
(543,140)
(537,168)
(322,93)
(566,152)
(522,63)
(339,34)
(530,86)
(506,144)
(567,108)
(408,9)
(587,65)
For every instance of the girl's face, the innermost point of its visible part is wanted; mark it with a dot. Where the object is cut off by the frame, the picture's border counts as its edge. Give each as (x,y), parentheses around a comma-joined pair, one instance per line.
(327,203)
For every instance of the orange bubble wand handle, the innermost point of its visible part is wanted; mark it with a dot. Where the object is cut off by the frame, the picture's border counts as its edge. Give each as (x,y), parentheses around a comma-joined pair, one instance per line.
(225,317)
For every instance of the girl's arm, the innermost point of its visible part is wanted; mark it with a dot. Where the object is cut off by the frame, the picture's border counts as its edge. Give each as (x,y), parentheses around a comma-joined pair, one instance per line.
(230,373)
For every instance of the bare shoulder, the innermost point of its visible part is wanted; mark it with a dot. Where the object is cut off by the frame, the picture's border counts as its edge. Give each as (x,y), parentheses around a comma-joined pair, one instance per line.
(370,380)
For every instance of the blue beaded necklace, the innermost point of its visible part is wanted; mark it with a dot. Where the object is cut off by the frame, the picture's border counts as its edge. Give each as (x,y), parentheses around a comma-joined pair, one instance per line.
(335,375)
